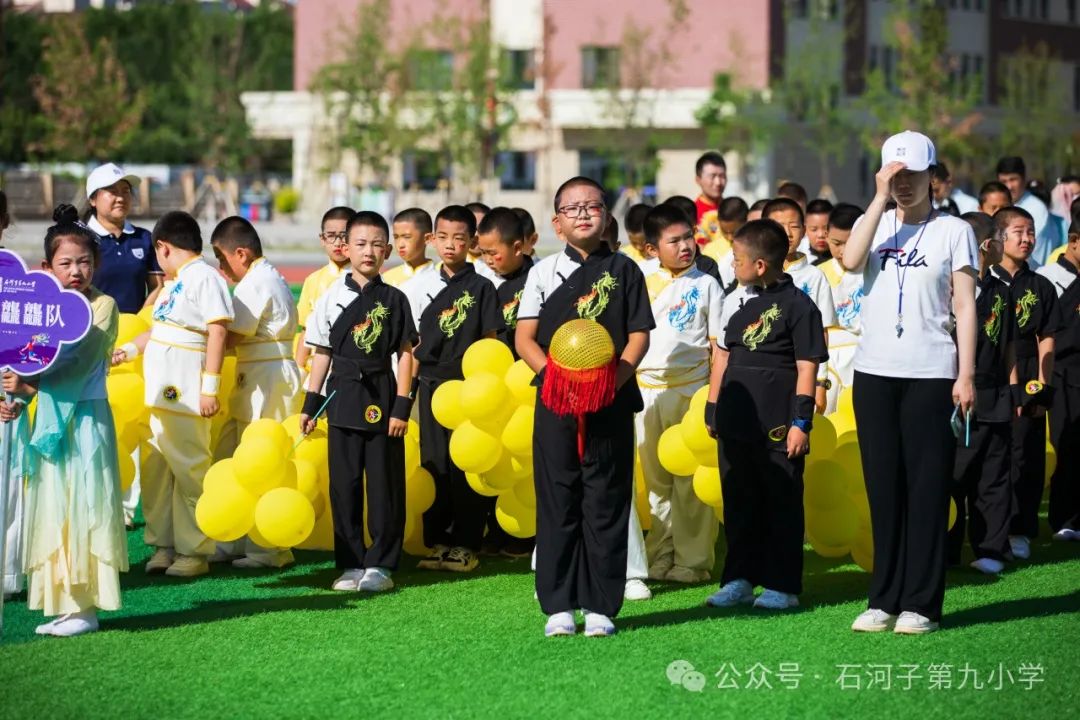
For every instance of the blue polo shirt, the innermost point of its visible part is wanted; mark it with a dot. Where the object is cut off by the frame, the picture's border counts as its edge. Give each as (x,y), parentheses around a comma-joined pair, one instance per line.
(126,263)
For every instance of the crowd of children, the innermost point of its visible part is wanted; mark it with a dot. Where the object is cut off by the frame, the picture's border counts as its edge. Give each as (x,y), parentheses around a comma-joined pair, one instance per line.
(776,307)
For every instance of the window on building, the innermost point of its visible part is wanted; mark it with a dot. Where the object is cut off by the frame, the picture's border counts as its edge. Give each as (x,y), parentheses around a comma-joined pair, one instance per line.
(430,70)
(423,170)
(599,67)
(519,69)
(516,170)
(614,174)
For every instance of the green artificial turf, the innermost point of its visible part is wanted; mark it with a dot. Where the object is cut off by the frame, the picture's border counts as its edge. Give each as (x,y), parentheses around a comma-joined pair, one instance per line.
(274,644)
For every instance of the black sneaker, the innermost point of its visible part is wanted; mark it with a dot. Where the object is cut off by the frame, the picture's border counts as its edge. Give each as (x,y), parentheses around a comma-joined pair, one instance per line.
(519,548)
(434,561)
(461,560)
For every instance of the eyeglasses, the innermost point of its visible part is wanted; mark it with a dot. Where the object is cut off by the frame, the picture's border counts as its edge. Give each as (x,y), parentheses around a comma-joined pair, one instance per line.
(334,238)
(575,211)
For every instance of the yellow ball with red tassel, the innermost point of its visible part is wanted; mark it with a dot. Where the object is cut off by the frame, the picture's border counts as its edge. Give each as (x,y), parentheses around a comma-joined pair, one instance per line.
(580,374)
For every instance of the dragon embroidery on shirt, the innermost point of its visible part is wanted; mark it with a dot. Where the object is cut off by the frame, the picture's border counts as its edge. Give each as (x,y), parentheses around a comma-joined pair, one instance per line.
(756,332)
(992,326)
(365,334)
(161,312)
(510,310)
(1024,306)
(454,316)
(592,304)
(682,313)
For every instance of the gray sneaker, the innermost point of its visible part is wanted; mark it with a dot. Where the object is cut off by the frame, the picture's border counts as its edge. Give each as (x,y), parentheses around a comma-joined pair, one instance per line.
(375,580)
(736,592)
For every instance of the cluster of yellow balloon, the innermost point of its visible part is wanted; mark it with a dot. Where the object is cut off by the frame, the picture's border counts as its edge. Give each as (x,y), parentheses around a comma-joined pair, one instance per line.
(688,450)
(490,414)
(124,385)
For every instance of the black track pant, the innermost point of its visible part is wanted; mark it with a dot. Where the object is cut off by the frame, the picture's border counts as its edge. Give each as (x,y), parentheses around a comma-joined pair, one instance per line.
(352,452)
(763,511)
(907,456)
(457,516)
(582,511)
(1028,473)
(982,492)
(1065,436)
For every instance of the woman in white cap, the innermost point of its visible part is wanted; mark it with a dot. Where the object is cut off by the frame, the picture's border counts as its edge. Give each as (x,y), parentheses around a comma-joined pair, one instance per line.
(129,272)
(910,375)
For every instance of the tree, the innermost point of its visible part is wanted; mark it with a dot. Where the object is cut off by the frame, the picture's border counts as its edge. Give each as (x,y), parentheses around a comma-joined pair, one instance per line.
(1036,123)
(20,60)
(921,88)
(741,120)
(86,107)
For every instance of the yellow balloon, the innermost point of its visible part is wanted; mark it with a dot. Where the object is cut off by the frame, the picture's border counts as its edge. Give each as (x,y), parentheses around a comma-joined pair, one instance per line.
(446,404)
(641,495)
(258,465)
(412,455)
(414,545)
(220,473)
(474,450)
(419,491)
(126,466)
(822,438)
(227,513)
(696,435)
(146,315)
(476,482)
(125,397)
(709,458)
(413,431)
(698,400)
(129,327)
(501,476)
(482,396)
(521,467)
(516,519)
(707,486)
(487,355)
(952,513)
(719,512)
(525,493)
(825,486)
(1051,463)
(519,377)
(827,551)
(836,527)
(307,478)
(495,423)
(517,435)
(322,536)
(844,404)
(862,550)
(847,456)
(314,449)
(256,537)
(273,431)
(284,517)
(673,454)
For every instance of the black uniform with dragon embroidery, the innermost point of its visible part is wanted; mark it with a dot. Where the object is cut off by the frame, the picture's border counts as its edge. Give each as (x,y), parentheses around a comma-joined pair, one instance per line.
(763,487)
(584,500)
(363,339)
(1035,306)
(1064,507)
(509,298)
(463,312)
(981,488)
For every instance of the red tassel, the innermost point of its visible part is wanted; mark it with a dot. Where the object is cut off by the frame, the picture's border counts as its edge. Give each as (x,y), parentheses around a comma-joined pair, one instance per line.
(580,437)
(577,392)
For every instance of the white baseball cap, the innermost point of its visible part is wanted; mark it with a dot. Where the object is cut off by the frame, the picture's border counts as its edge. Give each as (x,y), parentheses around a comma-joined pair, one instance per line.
(913,149)
(106,175)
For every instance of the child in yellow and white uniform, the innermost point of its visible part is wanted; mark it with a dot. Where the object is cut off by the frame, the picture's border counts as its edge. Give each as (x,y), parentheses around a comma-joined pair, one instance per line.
(847,294)
(332,238)
(412,235)
(184,350)
(808,278)
(686,305)
(267,379)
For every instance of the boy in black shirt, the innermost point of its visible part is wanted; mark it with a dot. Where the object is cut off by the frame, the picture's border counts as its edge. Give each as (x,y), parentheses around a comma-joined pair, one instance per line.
(462,310)
(359,323)
(501,238)
(583,500)
(1035,306)
(761,405)
(981,477)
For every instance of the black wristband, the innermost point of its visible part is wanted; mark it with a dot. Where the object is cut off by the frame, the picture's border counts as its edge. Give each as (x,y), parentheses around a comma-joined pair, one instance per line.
(1045,397)
(414,389)
(710,415)
(804,407)
(313,401)
(402,408)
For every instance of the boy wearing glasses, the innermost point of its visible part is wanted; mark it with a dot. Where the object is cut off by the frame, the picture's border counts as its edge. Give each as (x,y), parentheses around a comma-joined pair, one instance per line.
(360,323)
(583,496)
(459,309)
(332,237)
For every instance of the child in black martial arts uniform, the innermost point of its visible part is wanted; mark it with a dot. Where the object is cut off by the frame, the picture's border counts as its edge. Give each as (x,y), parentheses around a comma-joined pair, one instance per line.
(1035,307)
(761,406)
(1064,513)
(502,241)
(981,490)
(462,310)
(583,501)
(359,323)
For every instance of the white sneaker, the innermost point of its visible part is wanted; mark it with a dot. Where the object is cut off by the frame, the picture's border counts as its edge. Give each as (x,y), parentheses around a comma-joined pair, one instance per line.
(46,628)
(597,625)
(263,562)
(989,566)
(736,592)
(1021,547)
(375,580)
(873,620)
(1067,534)
(75,624)
(776,600)
(912,623)
(636,590)
(560,624)
(348,580)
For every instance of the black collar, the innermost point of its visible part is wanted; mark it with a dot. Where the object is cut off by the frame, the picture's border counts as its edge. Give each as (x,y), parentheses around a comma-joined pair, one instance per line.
(372,283)
(459,276)
(528,263)
(602,251)
(1004,275)
(1067,265)
(779,286)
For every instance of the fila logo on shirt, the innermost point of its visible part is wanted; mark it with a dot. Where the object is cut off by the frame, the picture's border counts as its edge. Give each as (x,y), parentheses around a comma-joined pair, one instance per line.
(902,258)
